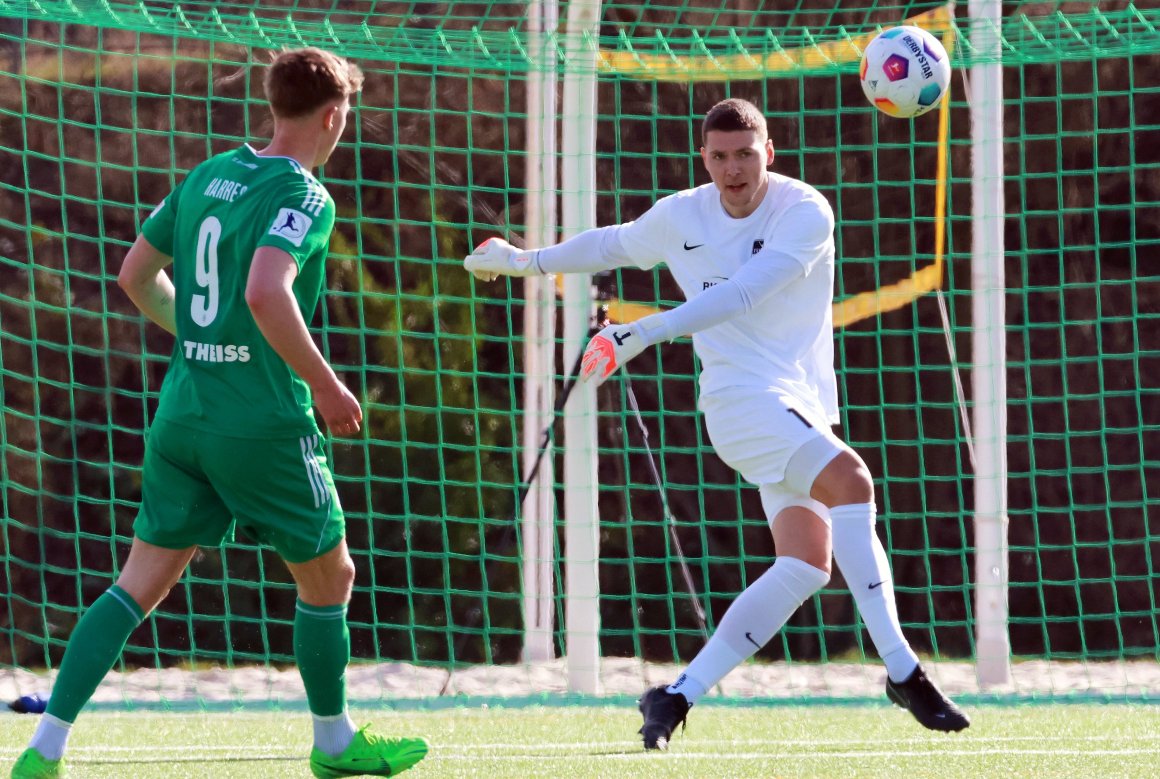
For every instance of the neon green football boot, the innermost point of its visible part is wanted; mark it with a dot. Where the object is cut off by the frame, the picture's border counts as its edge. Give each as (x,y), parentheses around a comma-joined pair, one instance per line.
(33,765)
(368,755)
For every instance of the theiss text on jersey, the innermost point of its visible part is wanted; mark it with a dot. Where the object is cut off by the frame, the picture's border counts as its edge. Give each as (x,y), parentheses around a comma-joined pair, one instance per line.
(216,352)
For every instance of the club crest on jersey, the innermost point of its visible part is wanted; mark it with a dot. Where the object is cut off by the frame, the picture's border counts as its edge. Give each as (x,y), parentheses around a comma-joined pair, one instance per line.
(760,242)
(291,225)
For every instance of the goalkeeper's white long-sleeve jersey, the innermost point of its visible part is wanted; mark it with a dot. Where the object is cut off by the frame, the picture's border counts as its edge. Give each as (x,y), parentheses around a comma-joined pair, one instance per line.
(759,289)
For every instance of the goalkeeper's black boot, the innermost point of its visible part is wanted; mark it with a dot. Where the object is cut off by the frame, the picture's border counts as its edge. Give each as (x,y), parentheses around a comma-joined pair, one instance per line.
(662,711)
(926,702)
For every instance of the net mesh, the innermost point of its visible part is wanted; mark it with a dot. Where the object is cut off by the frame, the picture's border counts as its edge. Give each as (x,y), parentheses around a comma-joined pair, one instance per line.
(107,105)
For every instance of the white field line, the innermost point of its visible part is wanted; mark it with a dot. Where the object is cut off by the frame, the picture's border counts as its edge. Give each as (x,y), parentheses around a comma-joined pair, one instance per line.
(810,743)
(888,755)
(244,751)
(565,745)
(168,750)
(681,756)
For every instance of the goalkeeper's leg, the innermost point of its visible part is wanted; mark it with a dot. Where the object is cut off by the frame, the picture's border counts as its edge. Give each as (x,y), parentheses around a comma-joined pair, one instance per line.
(845,485)
(322,649)
(802,568)
(94,646)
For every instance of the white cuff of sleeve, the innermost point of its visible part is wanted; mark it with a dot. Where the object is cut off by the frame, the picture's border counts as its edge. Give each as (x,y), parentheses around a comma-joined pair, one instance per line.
(655,329)
(528,258)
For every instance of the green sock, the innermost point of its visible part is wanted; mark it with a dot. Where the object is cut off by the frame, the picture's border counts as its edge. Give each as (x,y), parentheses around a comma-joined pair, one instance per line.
(322,649)
(93,647)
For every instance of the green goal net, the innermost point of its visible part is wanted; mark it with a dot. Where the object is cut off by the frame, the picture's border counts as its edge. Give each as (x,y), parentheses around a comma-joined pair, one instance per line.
(105,106)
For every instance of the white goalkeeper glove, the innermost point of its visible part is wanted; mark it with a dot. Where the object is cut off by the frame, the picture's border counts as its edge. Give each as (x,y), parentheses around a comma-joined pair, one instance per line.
(496,257)
(609,349)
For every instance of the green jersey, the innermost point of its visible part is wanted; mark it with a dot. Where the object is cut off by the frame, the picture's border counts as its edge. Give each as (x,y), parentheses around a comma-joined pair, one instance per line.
(224,377)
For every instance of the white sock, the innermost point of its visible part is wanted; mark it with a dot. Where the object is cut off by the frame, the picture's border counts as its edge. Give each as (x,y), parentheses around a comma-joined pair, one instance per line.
(333,735)
(863,563)
(51,737)
(751,621)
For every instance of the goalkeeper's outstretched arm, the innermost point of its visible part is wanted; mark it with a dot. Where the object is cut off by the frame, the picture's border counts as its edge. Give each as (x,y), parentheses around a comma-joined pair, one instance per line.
(602,249)
(589,252)
(757,281)
(761,276)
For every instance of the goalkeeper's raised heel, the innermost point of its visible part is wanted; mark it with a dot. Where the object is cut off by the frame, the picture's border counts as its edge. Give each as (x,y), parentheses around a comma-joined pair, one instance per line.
(369,754)
(919,695)
(33,765)
(663,711)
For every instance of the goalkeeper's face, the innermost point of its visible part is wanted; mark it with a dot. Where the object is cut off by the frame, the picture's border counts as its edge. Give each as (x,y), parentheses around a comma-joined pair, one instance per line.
(736,161)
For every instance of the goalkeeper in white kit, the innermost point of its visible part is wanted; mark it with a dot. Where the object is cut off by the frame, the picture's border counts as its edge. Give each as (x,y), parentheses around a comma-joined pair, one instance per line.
(754,254)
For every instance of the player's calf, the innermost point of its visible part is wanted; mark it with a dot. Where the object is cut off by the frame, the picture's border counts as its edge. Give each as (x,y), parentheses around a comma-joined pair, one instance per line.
(662,711)
(922,698)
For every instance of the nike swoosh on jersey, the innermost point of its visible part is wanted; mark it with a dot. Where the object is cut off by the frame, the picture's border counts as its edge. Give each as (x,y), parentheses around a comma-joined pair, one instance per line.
(694,246)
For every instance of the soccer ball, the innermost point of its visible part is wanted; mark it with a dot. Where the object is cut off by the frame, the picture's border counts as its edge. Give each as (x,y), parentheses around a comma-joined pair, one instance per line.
(905,71)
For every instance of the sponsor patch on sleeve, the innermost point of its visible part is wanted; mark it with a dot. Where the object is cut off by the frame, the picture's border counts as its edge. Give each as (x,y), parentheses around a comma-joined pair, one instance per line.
(291,225)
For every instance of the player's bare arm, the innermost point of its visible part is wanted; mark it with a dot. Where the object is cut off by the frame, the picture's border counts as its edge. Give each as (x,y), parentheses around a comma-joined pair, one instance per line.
(270,296)
(144,280)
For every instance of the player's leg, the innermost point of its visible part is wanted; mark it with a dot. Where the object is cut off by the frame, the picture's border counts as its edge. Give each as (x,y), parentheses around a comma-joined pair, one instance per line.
(802,544)
(322,644)
(845,485)
(179,512)
(94,646)
(282,493)
(322,650)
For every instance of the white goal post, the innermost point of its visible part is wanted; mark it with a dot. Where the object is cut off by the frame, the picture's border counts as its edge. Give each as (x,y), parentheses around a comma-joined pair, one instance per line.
(989,373)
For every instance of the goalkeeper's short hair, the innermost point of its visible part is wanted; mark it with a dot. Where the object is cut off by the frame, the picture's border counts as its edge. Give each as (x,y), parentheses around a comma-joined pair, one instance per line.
(732,115)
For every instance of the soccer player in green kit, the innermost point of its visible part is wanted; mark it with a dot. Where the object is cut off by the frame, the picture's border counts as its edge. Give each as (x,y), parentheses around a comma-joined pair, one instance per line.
(234,437)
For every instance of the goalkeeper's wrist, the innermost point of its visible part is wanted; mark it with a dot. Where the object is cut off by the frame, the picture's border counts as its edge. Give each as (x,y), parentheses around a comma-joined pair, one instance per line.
(654,329)
(528,261)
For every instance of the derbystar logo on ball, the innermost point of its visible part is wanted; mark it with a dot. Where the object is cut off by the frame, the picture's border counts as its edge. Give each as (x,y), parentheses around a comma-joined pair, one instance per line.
(905,72)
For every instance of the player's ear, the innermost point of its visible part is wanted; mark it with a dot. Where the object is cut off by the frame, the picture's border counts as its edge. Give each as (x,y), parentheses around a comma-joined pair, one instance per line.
(768,152)
(705,157)
(330,116)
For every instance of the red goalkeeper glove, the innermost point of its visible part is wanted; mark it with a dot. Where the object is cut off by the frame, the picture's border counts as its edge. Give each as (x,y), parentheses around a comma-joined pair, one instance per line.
(609,349)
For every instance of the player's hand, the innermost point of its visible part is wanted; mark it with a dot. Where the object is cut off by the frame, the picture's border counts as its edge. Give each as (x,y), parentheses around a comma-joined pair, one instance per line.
(496,257)
(339,408)
(609,349)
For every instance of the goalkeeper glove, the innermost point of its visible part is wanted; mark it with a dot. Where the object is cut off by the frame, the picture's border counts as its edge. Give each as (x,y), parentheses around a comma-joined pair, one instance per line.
(496,257)
(609,349)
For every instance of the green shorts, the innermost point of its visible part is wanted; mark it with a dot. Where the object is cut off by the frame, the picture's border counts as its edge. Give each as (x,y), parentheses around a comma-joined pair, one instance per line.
(196,484)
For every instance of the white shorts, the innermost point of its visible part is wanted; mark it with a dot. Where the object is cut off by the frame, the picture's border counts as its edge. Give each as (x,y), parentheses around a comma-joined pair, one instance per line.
(758,431)
(803,468)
